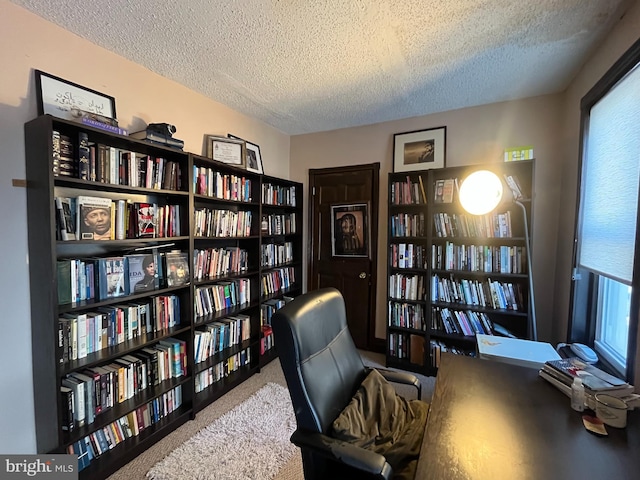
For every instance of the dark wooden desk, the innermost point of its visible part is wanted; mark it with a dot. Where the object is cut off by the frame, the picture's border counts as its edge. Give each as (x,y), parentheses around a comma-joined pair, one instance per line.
(490,420)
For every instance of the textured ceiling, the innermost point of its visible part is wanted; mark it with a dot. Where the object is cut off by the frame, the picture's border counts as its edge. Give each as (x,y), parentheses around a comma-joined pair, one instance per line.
(308,66)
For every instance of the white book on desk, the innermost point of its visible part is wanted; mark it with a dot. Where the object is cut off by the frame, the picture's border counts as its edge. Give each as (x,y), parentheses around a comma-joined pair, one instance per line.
(515,351)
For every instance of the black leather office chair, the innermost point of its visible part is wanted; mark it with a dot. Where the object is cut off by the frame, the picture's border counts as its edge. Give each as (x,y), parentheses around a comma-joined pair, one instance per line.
(324,370)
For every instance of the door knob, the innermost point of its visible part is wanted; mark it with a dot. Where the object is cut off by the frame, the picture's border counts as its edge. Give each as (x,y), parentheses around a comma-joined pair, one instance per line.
(362,275)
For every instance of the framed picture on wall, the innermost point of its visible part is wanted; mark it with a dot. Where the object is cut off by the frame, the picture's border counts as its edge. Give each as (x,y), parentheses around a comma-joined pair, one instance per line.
(70,101)
(254,159)
(419,150)
(350,230)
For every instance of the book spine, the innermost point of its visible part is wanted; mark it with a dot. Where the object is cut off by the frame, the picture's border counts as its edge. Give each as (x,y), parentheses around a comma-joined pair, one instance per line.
(120,220)
(67,408)
(104,126)
(83,156)
(55,159)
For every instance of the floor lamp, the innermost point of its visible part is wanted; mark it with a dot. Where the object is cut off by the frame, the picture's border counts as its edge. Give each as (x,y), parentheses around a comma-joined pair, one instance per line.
(481,193)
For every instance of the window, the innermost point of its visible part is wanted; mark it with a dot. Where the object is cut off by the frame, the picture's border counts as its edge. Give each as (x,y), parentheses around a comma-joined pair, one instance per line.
(606,229)
(612,322)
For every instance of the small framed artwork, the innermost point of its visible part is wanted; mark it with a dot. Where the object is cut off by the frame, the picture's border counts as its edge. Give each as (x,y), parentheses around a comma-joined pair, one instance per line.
(419,150)
(68,100)
(226,150)
(254,159)
(350,230)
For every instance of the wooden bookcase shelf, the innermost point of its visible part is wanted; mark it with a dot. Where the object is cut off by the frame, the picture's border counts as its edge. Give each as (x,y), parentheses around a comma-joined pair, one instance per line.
(280,273)
(173,401)
(432,248)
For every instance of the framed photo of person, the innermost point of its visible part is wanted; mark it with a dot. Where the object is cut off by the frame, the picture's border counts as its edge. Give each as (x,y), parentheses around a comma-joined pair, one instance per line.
(350,230)
(226,150)
(419,150)
(68,100)
(254,159)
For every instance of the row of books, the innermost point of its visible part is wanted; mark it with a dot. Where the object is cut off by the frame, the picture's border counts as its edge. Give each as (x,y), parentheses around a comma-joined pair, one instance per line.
(513,182)
(215,337)
(87,160)
(221,370)
(479,258)
(560,373)
(486,293)
(491,225)
(408,255)
(222,295)
(269,307)
(284,224)
(406,287)
(216,262)
(407,225)
(462,322)
(398,345)
(405,346)
(64,159)
(267,341)
(81,279)
(444,190)
(274,254)
(92,391)
(406,315)
(436,347)
(408,192)
(278,279)
(212,183)
(278,195)
(128,426)
(81,334)
(99,218)
(222,223)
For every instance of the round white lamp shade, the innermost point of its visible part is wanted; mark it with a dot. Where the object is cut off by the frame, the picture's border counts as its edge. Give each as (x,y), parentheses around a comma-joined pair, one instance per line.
(480,192)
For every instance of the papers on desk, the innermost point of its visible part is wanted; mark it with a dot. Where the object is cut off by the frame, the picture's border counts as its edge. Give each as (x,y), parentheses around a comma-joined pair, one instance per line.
(560,374)
(515,351)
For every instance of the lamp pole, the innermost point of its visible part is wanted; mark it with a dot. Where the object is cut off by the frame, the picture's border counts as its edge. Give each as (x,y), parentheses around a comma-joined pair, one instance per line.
(533,327)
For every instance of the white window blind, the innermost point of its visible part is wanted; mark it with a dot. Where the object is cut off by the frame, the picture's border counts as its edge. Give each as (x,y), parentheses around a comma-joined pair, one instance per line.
(611,170)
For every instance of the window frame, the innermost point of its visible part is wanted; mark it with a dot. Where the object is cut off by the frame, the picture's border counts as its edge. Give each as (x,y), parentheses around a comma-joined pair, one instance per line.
(583,301)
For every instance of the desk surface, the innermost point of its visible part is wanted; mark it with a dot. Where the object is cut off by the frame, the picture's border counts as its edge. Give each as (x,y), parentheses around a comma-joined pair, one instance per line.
(491,420)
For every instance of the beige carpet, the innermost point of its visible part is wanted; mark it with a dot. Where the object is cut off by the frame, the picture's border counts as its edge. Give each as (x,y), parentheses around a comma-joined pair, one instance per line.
(137,469)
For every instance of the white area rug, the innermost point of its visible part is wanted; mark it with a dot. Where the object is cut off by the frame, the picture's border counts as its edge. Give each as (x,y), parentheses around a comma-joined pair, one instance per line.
(251,442)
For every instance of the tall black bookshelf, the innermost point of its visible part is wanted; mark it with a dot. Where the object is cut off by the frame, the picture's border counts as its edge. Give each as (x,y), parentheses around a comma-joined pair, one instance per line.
(280,254)
(445,265)
(225,226)
(232,232)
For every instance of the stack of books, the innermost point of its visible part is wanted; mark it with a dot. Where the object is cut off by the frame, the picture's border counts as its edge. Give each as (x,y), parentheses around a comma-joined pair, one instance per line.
(560,373)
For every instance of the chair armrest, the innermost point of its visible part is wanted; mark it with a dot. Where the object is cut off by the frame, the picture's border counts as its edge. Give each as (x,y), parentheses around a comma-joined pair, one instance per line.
(343,452)
(403,378)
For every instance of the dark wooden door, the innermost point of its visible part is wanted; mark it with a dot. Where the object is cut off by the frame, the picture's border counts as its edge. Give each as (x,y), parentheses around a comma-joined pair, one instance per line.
(343,231)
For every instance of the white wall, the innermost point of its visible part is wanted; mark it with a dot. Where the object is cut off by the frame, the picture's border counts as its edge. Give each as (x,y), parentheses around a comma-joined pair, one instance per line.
(141,97)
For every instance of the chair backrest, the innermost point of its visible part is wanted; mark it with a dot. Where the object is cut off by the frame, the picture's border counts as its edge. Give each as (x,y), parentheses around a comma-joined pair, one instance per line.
(321,364)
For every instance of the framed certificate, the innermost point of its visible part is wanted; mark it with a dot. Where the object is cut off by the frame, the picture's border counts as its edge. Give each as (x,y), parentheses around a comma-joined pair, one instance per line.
(227,150)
